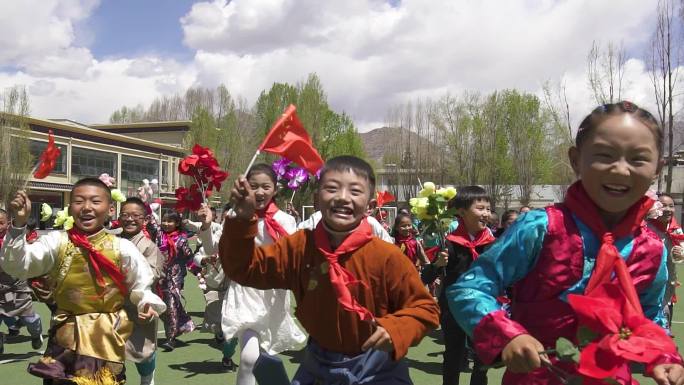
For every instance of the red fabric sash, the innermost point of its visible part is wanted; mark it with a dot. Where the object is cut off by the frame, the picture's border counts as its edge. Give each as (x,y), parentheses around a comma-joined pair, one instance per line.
(170,243)
(461,237)
(98,261)
(341,278)
(669,229)
(31,237)
(408,245)
(608,258)
(273,228)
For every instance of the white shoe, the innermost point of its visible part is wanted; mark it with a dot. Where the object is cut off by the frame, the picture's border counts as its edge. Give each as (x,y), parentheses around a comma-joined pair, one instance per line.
(147,380)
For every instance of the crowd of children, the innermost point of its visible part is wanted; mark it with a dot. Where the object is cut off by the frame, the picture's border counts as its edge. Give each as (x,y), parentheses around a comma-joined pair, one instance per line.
(500,290)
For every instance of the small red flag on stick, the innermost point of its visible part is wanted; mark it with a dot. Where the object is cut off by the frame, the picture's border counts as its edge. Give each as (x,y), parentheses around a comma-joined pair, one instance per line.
(384,197)
(289,139)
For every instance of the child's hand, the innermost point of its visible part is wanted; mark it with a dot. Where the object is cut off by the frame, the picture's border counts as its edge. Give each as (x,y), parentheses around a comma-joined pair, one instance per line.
(205,216)
(379,340)
(669,374)
(242,196)
(21,208)
(521,355)
(442,259)
(678,254)
(148,314)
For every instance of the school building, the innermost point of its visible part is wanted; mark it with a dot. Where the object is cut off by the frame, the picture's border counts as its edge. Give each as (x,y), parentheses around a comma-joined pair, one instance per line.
(128,152)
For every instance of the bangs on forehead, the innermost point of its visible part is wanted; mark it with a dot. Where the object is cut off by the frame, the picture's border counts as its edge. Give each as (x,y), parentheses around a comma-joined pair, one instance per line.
(350,164)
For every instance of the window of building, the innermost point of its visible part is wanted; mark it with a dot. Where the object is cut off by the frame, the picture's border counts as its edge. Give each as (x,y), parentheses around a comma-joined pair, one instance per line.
(36,147)
(134,170)
(164,175)
(91,163)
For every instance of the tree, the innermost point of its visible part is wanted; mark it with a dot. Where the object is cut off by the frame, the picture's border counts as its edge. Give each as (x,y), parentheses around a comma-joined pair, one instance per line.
(605,72)
(16,161)
(664,61)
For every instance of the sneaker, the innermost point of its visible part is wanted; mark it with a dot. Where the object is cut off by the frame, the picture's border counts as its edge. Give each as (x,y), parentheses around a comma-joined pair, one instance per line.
(12,332)
(169,345)
(37,342)
(228,364)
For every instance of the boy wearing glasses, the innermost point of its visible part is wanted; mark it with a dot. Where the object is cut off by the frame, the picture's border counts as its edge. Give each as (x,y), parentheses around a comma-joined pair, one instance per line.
(141,346)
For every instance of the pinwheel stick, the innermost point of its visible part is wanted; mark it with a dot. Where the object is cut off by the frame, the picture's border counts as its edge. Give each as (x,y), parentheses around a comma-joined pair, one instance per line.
(293,194)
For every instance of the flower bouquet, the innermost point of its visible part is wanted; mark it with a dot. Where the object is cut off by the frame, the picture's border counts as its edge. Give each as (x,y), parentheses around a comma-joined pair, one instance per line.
(203,167)
(430,207)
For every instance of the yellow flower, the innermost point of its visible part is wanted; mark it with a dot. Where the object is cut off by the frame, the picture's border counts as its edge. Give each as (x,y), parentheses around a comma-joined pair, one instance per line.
(429,186)
(424,193)
(420,202)
(69,223)
(450,192)
(45,212)
(118,196)
(64,219)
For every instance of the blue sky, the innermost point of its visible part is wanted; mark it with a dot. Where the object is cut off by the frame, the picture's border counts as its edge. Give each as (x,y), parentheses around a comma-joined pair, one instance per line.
(124,28)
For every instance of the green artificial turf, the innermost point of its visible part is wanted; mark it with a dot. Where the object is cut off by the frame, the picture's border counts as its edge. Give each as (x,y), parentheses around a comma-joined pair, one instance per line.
(197,360)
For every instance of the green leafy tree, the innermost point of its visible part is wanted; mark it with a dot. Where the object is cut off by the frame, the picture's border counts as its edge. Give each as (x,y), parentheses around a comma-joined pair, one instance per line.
(16,161)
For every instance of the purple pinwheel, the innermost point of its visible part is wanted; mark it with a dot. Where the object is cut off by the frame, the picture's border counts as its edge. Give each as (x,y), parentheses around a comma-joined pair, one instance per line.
(297,177)
(280,167)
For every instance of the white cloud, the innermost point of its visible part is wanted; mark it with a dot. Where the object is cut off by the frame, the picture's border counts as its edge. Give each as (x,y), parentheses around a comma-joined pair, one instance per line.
(369,55)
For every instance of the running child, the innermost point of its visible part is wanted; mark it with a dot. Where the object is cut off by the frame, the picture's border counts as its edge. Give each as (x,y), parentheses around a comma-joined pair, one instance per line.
(359,298)
(568,249)
(93,274)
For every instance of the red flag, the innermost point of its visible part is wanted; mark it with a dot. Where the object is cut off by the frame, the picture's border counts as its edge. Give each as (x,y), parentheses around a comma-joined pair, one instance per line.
(289,139)
(48,158)
(384,197)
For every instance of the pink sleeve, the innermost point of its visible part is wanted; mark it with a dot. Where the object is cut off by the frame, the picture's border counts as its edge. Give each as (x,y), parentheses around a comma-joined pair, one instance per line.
(493,333)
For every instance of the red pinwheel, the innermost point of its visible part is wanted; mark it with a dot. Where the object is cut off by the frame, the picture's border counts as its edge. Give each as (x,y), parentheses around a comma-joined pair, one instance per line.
(625,334)
(203,167)
(48,158)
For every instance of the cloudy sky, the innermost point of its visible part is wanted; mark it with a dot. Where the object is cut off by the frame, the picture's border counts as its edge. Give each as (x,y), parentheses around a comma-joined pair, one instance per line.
(82,59)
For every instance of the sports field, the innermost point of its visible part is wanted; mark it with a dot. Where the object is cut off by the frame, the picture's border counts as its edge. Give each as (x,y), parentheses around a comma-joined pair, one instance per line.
(197,360)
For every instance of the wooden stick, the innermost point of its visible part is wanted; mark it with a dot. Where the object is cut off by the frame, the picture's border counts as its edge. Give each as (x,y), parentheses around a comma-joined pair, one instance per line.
(251,163)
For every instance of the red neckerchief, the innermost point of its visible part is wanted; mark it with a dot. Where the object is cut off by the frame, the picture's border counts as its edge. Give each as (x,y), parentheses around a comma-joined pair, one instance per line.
(98,261)
(31,236)
(341,278)
(273,228)
(145,232)
(461,237)
(2,238)
(608,257)
(669,229)
(169,243)
(408,245)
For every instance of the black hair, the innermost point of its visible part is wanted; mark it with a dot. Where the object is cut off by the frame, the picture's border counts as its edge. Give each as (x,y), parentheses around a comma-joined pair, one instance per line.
(95,183)
(507,215)
(662,194)
(467,196)
(603,112)
(174,216)
(135,201)
(263,168)
(227,207)
(522,207)
(213,209)
(4,212)
(346,163)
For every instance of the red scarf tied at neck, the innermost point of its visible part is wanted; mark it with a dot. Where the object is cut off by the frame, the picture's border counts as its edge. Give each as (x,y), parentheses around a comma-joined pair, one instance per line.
(608,258)
(273,228)
(169,240)
(460,236)
(98,261)
(408,245)
(341,278)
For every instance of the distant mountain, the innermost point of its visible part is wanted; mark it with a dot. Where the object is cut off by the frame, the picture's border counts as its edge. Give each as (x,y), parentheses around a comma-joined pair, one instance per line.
(376,142)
